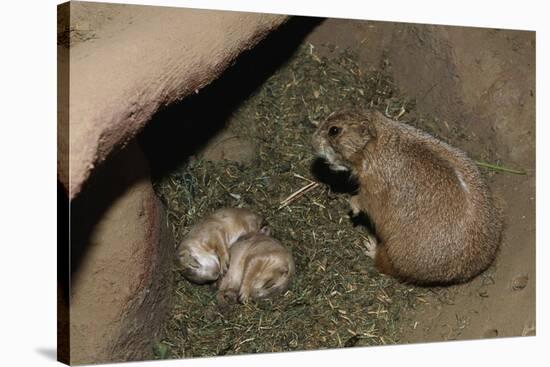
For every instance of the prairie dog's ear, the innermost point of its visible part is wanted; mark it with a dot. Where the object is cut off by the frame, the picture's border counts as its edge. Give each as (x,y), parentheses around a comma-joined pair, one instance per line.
(265,230)
(367,129)
(285,272)
(368,138)
(189,260)
(184,253)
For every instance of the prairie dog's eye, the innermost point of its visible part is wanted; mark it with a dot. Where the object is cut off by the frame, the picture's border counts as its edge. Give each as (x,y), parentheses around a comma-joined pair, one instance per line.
(334,130)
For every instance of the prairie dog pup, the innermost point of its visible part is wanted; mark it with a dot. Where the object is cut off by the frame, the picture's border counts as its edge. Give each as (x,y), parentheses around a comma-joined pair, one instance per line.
(204,252)
(260,267)
(433,214)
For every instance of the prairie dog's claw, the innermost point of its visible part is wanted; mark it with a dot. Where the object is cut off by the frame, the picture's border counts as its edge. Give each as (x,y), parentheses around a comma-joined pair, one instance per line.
(243,298)
(370,245)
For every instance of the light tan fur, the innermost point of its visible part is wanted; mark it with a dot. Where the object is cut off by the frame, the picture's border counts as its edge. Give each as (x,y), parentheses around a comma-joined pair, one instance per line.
(260,267)
(433,214)
(204,252)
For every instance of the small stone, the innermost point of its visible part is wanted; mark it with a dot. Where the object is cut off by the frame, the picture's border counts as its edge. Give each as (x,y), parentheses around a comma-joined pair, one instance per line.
(483,293)
(520,282)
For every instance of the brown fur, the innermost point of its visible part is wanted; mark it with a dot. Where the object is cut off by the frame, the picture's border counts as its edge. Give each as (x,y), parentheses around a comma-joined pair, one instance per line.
(432,212)
(383,262)
(260,267)
(204,252)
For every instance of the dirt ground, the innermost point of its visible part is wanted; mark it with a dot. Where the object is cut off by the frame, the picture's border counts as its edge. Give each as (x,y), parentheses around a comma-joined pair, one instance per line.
(484,88)
(472,88)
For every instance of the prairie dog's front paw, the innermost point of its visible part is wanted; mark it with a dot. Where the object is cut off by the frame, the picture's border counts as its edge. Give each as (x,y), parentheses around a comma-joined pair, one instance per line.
(224,266)
(244,297)
(223,256)
(354,205)
(226,296)
(371,245)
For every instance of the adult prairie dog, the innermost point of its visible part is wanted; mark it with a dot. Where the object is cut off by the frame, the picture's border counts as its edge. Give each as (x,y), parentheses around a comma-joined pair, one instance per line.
(204,252)
(260,266)
(433,215)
